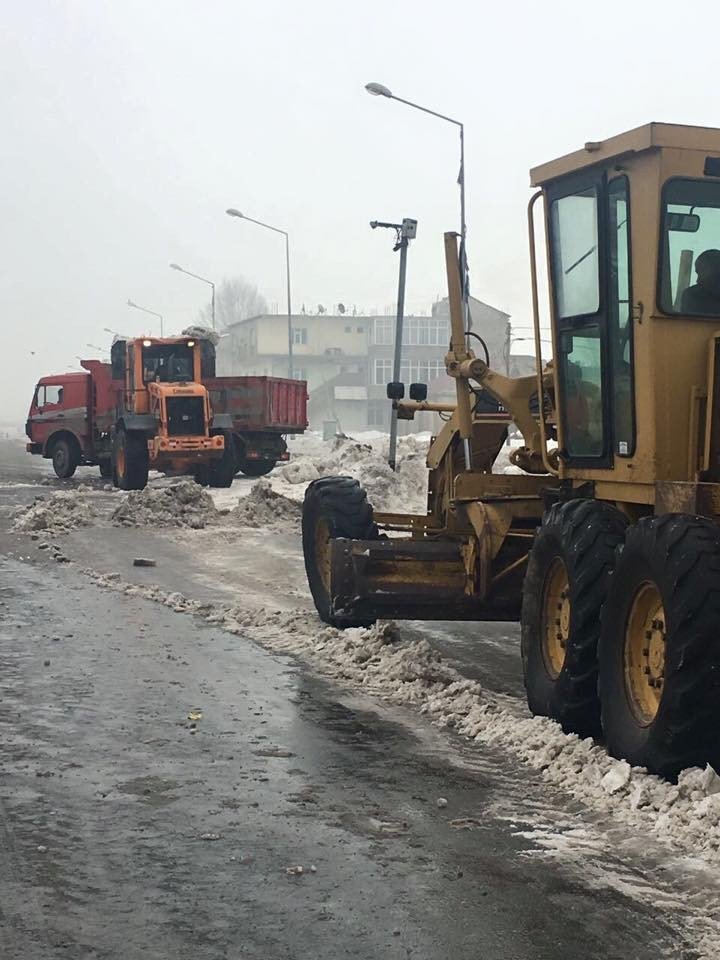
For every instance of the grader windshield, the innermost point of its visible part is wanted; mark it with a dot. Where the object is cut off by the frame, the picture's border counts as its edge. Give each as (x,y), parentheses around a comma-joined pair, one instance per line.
(690,282)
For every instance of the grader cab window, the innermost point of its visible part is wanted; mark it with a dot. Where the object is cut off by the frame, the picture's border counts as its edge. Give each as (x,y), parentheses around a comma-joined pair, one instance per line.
(582,355)
(575,254)
(690,274)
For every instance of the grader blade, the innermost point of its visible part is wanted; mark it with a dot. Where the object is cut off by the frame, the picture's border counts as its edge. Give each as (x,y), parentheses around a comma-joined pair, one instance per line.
(404,580)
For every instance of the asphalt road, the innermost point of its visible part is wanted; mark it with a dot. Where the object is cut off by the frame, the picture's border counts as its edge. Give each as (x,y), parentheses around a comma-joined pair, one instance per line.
(162,781)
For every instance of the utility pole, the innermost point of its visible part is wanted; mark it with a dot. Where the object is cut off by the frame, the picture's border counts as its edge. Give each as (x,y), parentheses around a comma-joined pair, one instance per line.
(404,233)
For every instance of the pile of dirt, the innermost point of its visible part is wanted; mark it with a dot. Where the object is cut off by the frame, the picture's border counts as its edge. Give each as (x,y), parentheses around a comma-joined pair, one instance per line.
(60,513)
(181,504)
(263,507)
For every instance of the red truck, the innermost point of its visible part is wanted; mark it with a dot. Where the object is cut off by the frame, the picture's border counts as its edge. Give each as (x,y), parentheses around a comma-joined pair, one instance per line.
(75,418)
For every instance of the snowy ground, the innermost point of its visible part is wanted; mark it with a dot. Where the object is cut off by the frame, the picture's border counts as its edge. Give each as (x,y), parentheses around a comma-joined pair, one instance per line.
(249,535)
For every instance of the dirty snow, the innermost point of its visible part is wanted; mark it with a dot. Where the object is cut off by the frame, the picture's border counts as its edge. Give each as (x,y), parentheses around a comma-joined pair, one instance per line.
(263,507)
(61,512)
(365,459)
(180,504)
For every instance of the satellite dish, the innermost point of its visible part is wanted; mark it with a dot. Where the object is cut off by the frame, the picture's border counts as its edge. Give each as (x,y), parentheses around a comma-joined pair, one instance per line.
(341,308)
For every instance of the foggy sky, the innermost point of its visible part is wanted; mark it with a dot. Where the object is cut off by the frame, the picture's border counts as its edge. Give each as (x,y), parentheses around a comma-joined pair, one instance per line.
(129,127)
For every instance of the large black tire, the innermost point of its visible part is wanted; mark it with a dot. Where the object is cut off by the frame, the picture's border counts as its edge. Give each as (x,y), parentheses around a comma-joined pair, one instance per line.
(334,507)
(221,473)
(255,468)
(563,592)
(65,457)
(130,460)
(660,667)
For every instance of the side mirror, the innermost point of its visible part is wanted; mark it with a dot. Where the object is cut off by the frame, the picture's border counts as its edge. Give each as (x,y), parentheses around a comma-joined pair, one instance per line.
(418,391)
(395,390)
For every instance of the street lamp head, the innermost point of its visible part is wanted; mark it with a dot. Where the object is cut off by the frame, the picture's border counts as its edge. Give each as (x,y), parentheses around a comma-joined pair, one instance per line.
(378,90)
(131,304)
(175,266)
(232,212)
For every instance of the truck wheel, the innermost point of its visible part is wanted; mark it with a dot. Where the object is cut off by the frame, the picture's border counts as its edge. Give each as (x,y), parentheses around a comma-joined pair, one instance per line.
(222,472)
(334,507)
(65,458)
(255,468)
(130,460)
(563,593)
(660,647)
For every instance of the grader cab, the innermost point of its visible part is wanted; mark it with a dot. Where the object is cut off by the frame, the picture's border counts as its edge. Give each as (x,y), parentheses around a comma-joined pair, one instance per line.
(606,543)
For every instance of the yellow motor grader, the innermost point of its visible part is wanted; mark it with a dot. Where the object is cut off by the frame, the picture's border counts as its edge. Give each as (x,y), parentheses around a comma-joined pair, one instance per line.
(606,543)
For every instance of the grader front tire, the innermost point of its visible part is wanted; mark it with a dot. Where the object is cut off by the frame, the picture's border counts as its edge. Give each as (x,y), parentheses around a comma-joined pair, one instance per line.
(563,593)
(334,507)
(659,647)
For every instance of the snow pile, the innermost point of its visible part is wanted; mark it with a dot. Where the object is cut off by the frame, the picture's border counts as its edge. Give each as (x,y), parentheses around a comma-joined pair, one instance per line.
(182,504)
(263,507)
(201,333)
(60,513)
(404,489)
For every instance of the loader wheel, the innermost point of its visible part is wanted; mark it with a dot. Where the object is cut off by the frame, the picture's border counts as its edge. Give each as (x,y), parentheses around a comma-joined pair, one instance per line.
(65,458)
(334,507)
(255,468)
(660,648)
(221,473)
(563,593)
(130,460)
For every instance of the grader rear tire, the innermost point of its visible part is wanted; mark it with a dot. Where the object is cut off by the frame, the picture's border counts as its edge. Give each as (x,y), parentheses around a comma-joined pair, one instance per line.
(563,593)
(660,646)
(334,507)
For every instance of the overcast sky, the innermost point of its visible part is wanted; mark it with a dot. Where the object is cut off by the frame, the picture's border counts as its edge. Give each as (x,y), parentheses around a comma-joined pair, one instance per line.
(130,125)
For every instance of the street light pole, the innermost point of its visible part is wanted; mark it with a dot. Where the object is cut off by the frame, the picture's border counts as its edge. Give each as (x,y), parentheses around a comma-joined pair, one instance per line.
(404,233)
(176,266)
(232,212)
(380,90)
(137,306)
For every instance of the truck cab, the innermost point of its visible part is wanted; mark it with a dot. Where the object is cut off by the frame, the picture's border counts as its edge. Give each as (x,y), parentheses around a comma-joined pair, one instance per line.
(57,426)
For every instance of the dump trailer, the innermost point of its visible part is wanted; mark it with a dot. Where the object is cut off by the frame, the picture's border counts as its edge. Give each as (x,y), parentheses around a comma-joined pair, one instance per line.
(262,410)
(606,544)
(145,410)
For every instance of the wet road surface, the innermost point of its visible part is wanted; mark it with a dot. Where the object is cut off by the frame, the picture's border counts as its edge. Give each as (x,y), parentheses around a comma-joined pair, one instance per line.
(161,777)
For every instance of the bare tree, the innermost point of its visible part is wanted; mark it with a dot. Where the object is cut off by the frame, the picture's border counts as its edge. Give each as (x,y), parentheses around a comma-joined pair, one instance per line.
(235,299)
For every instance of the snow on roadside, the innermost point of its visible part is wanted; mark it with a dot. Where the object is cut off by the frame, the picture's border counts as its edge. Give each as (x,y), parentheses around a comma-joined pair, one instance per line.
(685,815)
(60,513)
(180,504)
(264,507)
(365,458)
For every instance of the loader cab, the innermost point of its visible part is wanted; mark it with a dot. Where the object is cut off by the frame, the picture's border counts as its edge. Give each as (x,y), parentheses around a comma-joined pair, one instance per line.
(632,229)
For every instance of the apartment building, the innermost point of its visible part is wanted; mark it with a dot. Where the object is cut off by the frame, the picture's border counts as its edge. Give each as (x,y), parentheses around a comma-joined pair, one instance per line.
(347,359)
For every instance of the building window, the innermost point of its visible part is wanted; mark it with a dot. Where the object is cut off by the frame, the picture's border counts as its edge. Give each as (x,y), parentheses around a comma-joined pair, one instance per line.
(426,331)
(383,331)
(382,371)
(299,373)
(299,335)
(360,329)
(348,329)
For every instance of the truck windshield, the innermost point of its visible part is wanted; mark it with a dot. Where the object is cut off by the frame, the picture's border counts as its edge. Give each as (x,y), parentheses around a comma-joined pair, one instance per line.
(690,273)
(168,362)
